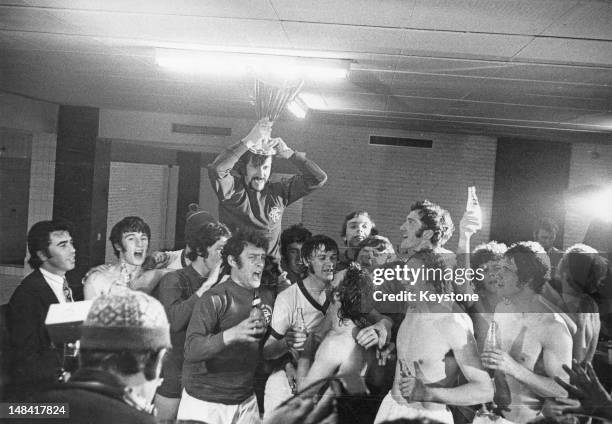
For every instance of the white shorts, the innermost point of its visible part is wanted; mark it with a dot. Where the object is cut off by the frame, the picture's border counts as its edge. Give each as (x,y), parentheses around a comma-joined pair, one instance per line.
(391,410)
(277,391)
(194,409)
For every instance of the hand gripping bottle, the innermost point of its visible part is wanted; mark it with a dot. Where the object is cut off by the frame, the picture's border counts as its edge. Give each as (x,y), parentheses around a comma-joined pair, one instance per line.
(473,205)
(258,315)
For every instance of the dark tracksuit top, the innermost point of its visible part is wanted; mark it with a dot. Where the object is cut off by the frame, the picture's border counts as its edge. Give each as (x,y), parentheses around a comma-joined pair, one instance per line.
(243,207)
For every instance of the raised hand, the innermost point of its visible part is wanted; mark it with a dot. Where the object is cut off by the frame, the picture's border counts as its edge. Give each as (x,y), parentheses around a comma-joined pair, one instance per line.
(586,387)
(211,280)
(281,147)
(259,134)
(470,223)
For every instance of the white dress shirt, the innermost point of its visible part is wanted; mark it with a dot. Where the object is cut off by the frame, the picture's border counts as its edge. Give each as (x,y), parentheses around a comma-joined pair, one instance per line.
(56,282)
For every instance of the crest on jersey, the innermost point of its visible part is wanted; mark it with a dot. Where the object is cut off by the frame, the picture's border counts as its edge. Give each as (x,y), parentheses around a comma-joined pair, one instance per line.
(267,311)
(275,214)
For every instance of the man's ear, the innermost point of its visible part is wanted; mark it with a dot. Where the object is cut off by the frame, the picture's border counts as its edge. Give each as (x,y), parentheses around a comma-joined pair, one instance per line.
(118,247)
(41,255)
(231,261)
(427,234)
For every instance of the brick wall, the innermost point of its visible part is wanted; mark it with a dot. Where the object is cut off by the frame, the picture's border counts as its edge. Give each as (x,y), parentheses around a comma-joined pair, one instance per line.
(140,190)
(386,180)
(584,170)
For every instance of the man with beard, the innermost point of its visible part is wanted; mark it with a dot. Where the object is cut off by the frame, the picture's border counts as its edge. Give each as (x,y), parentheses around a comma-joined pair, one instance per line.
(52,254)
(130,240)
(246,199)
(292,240)
(535,343)
(222,346)
(357,226)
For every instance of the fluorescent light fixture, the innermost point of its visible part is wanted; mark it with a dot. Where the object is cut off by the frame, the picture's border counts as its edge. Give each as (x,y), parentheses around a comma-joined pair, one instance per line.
(297,108)
(313,101)
(242,64)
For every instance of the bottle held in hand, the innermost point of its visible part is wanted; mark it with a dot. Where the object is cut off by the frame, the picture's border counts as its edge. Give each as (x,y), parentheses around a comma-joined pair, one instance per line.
(492,340)
(473,206)
(300,325)
(258,316)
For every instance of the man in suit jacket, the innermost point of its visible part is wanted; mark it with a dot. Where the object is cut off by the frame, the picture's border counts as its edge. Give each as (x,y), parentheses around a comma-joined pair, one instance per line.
(52,254)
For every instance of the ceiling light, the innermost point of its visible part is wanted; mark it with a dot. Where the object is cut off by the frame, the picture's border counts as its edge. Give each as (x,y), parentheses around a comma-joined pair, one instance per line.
(313,101)
(243,64)
(297,108)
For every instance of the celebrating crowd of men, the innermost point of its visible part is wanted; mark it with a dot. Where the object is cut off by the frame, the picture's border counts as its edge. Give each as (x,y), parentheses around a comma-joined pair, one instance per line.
(248,321)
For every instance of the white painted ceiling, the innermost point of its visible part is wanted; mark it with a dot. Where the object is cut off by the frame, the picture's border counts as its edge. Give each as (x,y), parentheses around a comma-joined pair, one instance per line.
(530,68)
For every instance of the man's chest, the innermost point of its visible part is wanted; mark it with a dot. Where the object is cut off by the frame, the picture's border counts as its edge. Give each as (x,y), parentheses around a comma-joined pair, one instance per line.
(521,337)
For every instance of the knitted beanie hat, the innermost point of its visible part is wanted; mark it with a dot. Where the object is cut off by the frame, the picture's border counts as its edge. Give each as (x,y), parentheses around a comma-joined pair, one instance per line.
(196,217)
(130,320)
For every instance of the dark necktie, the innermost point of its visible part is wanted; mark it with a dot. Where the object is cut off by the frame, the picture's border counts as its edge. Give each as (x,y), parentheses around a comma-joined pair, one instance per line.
(67,292)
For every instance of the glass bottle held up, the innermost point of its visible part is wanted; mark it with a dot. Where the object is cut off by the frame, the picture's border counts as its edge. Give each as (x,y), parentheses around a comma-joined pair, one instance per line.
(300,323)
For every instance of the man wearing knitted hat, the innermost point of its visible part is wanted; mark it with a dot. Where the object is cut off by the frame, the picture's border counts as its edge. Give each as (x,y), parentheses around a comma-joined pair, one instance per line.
(123,341)
(195,219)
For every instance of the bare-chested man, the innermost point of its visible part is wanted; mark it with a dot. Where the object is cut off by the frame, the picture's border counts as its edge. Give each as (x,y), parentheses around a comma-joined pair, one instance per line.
(339,353)
(130,240)
(535,343)
(320,254)
(434,342)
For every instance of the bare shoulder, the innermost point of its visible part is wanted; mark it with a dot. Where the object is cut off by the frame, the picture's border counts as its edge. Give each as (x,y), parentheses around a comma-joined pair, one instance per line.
(456,322)
(102,276)
(553,328)
(456,328)
(335,348)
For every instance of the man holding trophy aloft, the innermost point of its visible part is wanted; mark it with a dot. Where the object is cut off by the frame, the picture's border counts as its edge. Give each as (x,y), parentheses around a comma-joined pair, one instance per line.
(246,198)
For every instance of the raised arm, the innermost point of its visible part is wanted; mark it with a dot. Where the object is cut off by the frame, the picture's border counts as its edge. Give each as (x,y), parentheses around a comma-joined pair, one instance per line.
(219,170)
